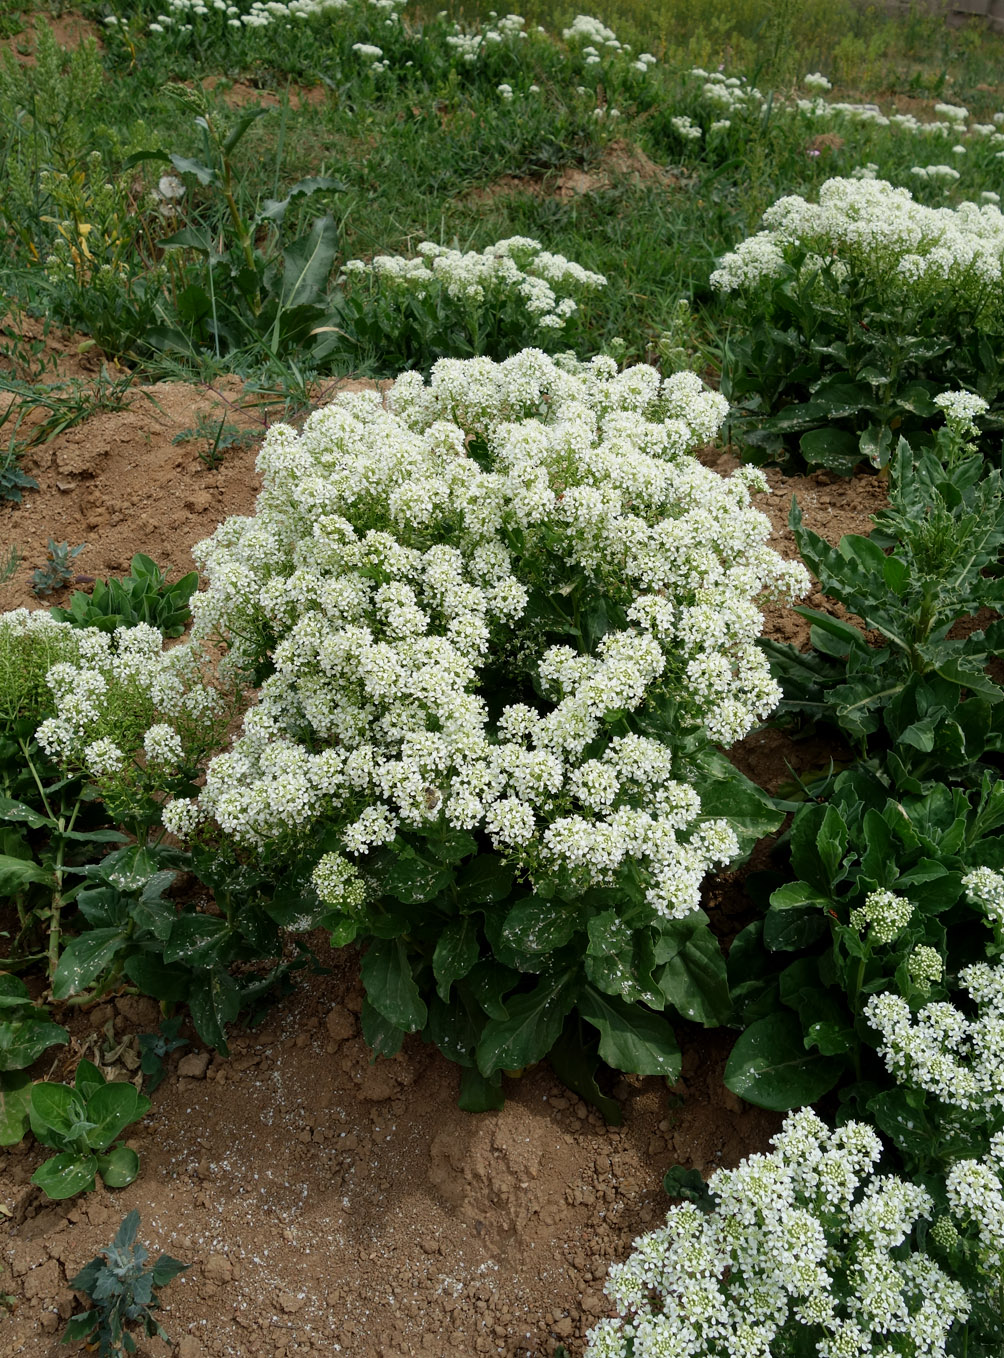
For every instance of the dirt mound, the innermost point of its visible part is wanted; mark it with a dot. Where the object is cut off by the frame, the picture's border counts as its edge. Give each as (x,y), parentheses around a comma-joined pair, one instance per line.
(620,160)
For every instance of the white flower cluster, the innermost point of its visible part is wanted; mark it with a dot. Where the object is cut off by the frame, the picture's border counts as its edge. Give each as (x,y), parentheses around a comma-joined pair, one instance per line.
(883,916)
(730,93)
(961,410)
(816,81)
(186,15)
(946,173)
(983,885)
(586,29)
(806,1238)
(976,1197)
(393,554)
(684,127)
(883,235)
(515,269)
(117,696)
(958,1059)
(510,28)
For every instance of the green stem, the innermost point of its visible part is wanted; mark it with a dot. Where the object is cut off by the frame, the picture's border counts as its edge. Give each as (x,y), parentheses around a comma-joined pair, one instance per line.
(38,781)
(57,894)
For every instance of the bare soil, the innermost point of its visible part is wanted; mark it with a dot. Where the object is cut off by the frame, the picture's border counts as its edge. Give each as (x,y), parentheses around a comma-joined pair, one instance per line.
(328,1205)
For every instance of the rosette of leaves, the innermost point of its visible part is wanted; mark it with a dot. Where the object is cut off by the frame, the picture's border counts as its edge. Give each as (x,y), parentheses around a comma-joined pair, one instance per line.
(123,1290)
(26,1031)
(143,595)
(921,697)
(800,976)
(83,1124)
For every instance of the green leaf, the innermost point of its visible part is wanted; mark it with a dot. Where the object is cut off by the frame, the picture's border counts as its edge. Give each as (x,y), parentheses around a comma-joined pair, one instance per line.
(382,1037)
(413,881)
(390,985)
(14,994)
(632,1039)
(119,1167)
(111,1108)
(537,926)
(165,1269)
(55,1111)
(15,1103)
(574,1059)
(729,795)
(831,842)
(18,811)
(835,449)
(456,953)
(770,1067)
(695,981)
(533,1025)
(22,1041)
(185,165)
(688,1185)
(214,1001)
(83,959)
(480,1093)
(197,939)
(64,1175)
(87,1078)
(17,873)
(307,262)
(483,881)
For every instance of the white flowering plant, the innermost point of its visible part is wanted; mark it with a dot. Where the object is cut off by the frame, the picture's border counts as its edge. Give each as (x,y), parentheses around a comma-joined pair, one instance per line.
(853,313)
(409,312)
(806,1252)
(97,729)
(498,623)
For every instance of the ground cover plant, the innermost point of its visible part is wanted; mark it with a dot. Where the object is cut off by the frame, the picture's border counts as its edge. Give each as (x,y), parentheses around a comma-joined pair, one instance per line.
(459,691)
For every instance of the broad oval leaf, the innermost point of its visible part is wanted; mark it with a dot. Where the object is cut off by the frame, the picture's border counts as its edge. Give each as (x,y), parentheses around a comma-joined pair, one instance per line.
(65,1175)
(22,1041)
(111,1108)
(119,1167)
(55,1110)
(770,1067)
(456,953)
(17,873)
(83,959)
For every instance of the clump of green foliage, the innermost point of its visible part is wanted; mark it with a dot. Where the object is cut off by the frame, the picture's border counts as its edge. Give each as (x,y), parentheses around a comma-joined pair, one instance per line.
(123,1291)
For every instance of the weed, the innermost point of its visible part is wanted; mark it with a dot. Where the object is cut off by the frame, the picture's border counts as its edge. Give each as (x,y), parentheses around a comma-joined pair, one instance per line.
(142,596)
(57,572)
(122,1289)
(155,1046)
(217,438)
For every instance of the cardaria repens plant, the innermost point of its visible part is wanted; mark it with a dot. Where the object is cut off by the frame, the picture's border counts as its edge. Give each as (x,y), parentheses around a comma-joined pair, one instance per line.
(123,1291)
(83,1125)
(497,625)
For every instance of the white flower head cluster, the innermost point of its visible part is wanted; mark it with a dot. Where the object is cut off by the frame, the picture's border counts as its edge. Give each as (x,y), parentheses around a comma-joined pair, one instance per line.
(961,409)
(588,30)
(119,696)
(186,16)
(883,916)
(392,557)
(883,236)
(509,30)
(805,1238)
(731,93)
(518,270)
(817,81)
(976,1197)
(958,1059)
(986,887)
